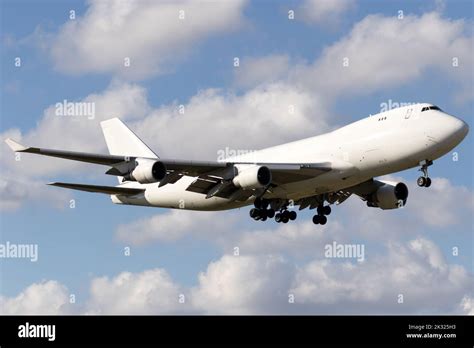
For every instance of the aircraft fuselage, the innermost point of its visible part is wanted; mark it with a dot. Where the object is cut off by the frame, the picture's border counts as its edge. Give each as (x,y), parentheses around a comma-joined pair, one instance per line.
(377,145)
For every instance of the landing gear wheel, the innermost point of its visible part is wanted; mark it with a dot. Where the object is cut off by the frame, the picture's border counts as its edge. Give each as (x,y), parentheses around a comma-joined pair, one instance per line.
(284,219)
(428,182)
(323,220)
(421,181)
(424,181)
(278,217)
(324,210)
(316,219)
(254,212)
(292,215)
(327,210)
(270,213)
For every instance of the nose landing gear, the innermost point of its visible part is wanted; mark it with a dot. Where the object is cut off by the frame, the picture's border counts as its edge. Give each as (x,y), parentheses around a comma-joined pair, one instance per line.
(424,181)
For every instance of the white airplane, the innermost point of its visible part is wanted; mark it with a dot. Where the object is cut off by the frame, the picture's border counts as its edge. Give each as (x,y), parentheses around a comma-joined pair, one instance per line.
(305,173)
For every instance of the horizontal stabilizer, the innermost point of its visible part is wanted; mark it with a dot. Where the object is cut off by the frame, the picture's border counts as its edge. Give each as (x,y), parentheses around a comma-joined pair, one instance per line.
(110,190)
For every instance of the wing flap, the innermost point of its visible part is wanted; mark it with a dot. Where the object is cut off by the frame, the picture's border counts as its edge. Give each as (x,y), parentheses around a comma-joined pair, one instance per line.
(365,188)
(212,187)
(110,190)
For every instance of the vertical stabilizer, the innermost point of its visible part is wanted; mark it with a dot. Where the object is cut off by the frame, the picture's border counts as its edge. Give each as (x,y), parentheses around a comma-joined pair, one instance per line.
(122,141)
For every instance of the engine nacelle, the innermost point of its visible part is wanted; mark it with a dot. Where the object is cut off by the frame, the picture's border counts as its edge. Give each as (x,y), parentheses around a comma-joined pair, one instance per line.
(147,171)
(252,177)
(391,195)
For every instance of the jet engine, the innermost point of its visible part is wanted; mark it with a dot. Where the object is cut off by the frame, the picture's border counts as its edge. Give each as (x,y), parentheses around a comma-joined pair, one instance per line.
(147,171)
(390,195)
(252,177)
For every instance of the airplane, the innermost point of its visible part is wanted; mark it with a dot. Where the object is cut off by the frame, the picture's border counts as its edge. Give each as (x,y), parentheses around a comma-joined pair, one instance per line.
(308,173)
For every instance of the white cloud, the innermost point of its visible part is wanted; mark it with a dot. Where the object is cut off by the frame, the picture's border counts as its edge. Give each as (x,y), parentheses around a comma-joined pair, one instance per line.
(467,305)
(150,33)
(384,52)
(176,224)
(76,133)
(378,53)
(148,292)
(15,191)
(327,12)
(243,285)
(417,270)
(443,204)
(259,284)
(47,297)
(216,120)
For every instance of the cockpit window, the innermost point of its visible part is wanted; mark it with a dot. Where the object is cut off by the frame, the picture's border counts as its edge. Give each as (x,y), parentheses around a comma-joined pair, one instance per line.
(433,107)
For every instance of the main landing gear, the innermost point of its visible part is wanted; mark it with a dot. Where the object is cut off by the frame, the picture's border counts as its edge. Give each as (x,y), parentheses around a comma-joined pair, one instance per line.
(320,218)
(285,216)
(278,208)
(424,181)
(262,212)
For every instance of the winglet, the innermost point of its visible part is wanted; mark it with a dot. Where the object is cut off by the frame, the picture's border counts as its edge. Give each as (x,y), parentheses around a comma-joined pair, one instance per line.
(15,146)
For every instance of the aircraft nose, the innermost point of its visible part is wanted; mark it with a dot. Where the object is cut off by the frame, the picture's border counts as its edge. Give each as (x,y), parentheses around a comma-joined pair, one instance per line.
(457,128)
(465,128)
(460,127)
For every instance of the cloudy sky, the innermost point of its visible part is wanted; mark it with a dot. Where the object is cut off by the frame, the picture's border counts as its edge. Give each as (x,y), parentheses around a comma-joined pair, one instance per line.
(193,79)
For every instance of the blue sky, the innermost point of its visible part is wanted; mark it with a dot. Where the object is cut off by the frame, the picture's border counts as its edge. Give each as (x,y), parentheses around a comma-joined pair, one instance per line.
(77,246)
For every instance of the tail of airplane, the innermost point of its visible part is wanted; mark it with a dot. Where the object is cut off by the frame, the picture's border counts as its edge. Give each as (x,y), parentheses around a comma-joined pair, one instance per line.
(121,141)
